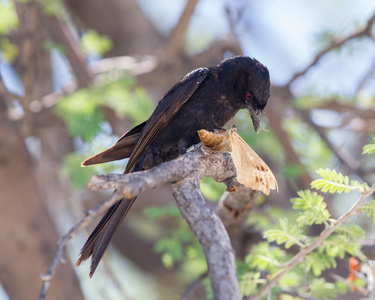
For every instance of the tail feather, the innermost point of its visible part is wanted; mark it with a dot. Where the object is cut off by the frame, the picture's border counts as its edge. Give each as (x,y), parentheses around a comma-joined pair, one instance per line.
(102,235)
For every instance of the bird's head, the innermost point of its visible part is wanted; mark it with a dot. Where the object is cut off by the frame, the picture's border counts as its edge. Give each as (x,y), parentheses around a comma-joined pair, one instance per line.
(251,83)
(257,91)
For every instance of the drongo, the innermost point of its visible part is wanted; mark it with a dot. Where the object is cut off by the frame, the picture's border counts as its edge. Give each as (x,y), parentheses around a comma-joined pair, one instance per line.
(206,98)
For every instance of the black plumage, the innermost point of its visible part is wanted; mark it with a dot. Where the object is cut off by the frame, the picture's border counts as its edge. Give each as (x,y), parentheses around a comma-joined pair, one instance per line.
(206,98)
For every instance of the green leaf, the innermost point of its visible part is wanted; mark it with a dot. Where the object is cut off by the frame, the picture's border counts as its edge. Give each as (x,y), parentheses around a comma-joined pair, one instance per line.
(249,282)
(313,208)
(288,234)
(334,182)
(338,245)
(9,51)
(318,262)
(321,289)
(368,209)
(94,43)
(8,17)
(80,110)
(310,147)
(369,149)
(263,257)
(52,7)
(171,247)
(352,231)
(158,212)
(290,279)
(72,169)
(211,189)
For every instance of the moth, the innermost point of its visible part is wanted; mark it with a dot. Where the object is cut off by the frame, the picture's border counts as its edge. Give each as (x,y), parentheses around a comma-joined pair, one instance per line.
(252,171)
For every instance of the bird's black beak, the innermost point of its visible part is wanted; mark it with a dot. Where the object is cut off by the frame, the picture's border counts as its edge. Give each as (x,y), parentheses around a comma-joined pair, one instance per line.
(256,116)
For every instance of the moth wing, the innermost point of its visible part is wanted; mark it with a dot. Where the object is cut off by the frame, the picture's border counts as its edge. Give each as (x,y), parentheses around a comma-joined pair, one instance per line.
(252,171)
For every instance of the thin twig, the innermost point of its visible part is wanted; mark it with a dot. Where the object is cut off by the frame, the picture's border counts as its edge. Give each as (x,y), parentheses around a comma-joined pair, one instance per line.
(350,109)
(354,210)
(61,245)
(343,156)
(60,32)
(192,287)
(351,285)
(177,37)
(366,31)
(185,173)
(366,77)
(296,294)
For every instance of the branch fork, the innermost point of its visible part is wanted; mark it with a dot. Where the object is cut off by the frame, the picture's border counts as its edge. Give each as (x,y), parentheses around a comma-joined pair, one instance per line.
(184,173)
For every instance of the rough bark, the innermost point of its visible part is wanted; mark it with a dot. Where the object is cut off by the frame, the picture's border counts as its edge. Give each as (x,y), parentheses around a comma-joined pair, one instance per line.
(122,21)
(28,235)
(213,237)
(184,173)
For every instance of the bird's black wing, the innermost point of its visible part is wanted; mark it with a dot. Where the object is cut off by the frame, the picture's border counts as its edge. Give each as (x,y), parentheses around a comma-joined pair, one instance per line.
(167,108)
(165,111)
(122,149)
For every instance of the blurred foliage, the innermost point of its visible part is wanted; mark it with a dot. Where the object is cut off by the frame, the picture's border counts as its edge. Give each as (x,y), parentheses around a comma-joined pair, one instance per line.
(8,23)
(266,259)
(313,151)
(93,43)
(286,231)
(49,45)
(265,140)
(79,176)
(52,7)
(368,209)
(9,51)
(81,109)
(177,245)
(84,120)
(313,207)
(289,234)
(211,189)
(283,229)
(334,182)
(8,18)
(369,149)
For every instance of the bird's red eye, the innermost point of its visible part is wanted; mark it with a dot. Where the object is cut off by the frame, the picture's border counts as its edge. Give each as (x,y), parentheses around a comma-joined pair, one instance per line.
(249,96)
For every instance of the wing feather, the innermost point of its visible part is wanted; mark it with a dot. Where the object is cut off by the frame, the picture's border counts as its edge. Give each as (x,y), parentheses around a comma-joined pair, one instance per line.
(122,149)
(165,111)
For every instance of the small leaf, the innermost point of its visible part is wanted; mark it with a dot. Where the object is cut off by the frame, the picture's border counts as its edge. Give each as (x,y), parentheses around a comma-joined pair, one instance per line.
(94,43)
(318,262)
(334,182)
(248,283)
(368,209)
(313,208)
(8,17)
(265,257)
(369,149)
(288,234)
(320,289)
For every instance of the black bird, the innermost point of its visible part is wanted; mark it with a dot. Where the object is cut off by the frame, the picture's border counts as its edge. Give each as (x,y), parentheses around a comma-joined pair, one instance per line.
(206,98)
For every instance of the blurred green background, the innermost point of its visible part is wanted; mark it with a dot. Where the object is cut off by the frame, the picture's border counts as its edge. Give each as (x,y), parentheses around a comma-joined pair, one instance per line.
(76,75)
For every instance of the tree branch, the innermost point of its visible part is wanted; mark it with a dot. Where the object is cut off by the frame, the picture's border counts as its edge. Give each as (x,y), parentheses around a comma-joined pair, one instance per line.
(176,40)
(191,289)
(60,32)
(354,210)
(184,173)
(342,155)
(366,31)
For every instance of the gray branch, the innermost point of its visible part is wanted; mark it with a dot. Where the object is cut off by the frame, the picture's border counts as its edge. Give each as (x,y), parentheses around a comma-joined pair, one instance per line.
(184,173)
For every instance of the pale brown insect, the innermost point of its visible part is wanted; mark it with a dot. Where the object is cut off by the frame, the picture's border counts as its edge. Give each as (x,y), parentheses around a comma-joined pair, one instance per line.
(252,171)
